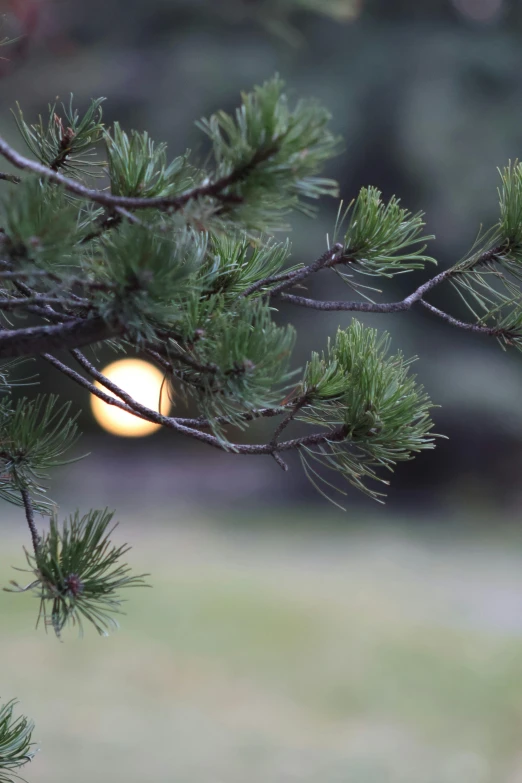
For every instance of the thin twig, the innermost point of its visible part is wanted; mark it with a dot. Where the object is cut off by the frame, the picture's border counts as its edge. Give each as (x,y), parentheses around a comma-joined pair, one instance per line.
(180,426)
(172,203)
(384,307)
(260,413)
(41,299)
(360,307)
(118,403)
(329,258)
(494,331)
(279,461)
(41,339)
(10,178)
(79,379)
(29,515)
(300,403)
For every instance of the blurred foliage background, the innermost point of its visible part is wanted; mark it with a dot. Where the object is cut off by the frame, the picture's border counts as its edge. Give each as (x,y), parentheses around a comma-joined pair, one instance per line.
(294,643)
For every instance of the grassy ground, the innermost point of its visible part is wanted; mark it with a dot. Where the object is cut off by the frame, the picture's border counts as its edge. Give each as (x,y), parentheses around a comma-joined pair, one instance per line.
(377,657)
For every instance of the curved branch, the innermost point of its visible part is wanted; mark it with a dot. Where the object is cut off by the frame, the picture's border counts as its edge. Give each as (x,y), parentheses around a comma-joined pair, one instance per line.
(127,403)
(81,381)
(329,258)
(369,307)
(494,331)
(360,307)
(10,178)
(172,203)
(403,304)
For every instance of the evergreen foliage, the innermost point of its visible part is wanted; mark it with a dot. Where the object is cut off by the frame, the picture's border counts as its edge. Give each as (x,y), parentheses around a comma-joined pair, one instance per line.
(373,398)
(34,435)
(66,142)
(383,239)
(176,260)
(78,575)
(240,359)
(272,155)
(39,226)
(489,279)
(15,743)
(138,167)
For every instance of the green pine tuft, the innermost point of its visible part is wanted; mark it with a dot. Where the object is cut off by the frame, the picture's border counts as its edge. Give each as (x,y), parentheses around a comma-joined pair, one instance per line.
(79,574)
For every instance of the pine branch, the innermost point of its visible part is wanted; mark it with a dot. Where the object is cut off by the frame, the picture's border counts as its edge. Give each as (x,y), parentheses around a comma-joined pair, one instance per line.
(352,307)
(10,178)
(118,403)
(29,514)
(329,258)
(16,747)
(198,306)
(406,303)
(300,403)
(193,285)
(185,427)
(78,574)
(260,413)
(42,339)
(476,328)
(41,299)
(81,381)
(170,203)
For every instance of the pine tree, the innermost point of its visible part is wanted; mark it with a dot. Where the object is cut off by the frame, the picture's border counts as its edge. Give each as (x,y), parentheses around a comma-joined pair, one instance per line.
(180,262)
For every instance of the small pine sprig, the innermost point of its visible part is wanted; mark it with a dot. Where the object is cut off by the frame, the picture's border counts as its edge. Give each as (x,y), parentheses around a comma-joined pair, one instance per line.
(138,167)
(510,198)
(40,226)
(381,239)
(34,435)
(489,278)
(65,143)
(272,154)
(147,273)
(236,261)
(240,359)
(382,412)
(15,742)
(79,574)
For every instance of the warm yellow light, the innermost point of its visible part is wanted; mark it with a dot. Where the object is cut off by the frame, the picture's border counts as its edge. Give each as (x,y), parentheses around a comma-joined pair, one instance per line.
(143,382)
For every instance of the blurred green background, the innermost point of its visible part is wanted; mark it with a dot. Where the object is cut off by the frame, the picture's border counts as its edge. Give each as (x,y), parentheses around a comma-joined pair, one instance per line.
(284,640)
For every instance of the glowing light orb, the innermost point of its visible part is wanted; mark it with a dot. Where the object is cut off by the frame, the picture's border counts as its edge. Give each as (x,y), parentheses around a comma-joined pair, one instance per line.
(143,382)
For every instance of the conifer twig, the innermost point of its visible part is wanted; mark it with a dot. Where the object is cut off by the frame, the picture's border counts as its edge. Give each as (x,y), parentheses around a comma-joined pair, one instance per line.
(10,178)
(172,203)
(29,515)
(493,331)
(36,340)
(329,258)
(182,426)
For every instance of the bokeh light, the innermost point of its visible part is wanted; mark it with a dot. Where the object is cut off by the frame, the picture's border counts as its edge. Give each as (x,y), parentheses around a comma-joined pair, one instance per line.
(145,383)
